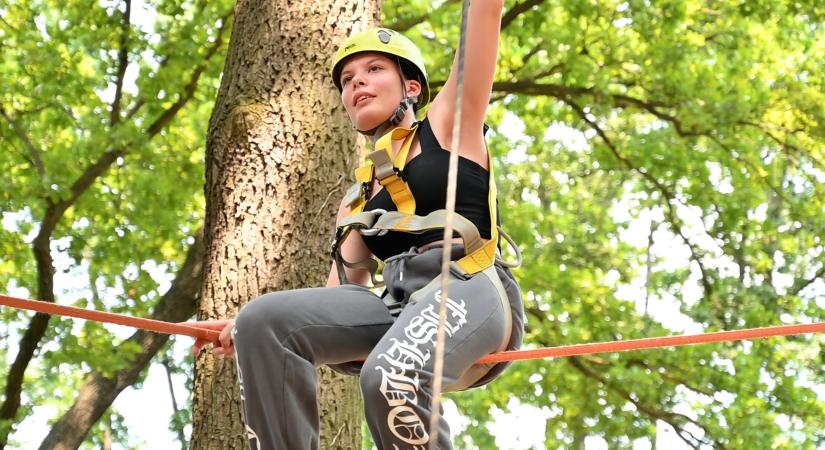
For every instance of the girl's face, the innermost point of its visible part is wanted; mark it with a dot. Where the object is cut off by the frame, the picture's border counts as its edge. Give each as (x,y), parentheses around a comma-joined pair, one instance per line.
(371,88)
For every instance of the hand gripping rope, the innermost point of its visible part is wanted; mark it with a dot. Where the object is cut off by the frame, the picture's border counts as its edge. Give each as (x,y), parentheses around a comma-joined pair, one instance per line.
(199,331)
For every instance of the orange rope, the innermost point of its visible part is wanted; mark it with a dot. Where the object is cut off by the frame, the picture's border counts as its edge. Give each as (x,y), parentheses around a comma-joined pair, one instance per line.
(655,342)
(157,326)
(194,329)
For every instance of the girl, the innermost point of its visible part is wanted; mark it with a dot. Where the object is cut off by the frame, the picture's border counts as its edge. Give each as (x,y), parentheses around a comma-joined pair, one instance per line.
(280,338)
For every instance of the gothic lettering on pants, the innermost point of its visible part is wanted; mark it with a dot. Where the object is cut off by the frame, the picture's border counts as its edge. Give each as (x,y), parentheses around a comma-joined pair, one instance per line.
(405,358)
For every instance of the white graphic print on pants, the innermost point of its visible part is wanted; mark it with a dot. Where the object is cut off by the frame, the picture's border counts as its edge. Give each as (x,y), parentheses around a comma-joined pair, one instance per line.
(399,387)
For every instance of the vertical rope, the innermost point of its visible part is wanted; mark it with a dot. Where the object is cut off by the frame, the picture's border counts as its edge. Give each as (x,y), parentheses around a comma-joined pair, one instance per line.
(446,253)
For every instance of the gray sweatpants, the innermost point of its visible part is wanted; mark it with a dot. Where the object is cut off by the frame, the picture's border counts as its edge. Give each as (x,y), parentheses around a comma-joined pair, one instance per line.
(281,337)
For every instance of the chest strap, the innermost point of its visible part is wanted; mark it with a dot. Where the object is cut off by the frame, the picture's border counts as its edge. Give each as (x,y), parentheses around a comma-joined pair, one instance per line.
(387,169)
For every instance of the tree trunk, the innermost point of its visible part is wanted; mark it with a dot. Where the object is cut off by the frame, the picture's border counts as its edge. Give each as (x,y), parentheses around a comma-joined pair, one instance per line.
(279,150)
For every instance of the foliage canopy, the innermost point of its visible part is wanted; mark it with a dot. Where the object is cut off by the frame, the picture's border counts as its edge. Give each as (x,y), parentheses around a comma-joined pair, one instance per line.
(661,166)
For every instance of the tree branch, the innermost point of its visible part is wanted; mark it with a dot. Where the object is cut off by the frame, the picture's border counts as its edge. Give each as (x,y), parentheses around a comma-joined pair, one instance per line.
(135,108)
(198,70)
(526,59)
(36,160)
(668,196)
(531,87)
(669,376)
(799,285)
(98,391)
(649,263)
(6,23)
(562,92)
(784,143)
(167,366)
(518,9)
(122,63)
(404,24)
(190,88)
(753,168)
(675,420)
(623,159)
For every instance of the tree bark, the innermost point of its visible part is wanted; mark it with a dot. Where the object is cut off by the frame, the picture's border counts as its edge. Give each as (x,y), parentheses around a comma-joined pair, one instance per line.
(98,391)
(278,150)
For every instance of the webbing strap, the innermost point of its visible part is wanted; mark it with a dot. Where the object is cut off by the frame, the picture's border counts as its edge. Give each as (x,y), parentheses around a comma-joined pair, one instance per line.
(379,222)
(385,144)
(369,264)
(472,374)
(389,176)
(356,195)
(492,198)
(201,331)
(370,222)
(386,168)
(479,255)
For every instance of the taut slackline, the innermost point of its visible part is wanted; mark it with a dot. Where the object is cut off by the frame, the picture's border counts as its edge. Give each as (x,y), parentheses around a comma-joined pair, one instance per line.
(193,329)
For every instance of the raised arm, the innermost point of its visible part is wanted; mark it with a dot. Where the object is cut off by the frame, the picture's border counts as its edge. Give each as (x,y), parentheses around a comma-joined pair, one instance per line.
(481,56)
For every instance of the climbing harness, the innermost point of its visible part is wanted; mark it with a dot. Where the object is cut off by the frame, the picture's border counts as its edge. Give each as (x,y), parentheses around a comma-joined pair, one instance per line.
(378,222)
(387,168)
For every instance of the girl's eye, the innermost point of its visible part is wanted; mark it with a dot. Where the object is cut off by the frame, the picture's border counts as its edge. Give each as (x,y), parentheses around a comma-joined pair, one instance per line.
(375,68)
(346,79)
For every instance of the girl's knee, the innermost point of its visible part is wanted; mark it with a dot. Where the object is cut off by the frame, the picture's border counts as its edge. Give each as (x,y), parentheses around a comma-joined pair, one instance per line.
(266,315)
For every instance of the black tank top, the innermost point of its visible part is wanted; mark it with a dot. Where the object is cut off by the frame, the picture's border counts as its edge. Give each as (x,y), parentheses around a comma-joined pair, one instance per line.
(426,175)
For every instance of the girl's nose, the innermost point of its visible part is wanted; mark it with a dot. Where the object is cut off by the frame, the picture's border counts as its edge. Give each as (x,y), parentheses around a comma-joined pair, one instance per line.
(358,79)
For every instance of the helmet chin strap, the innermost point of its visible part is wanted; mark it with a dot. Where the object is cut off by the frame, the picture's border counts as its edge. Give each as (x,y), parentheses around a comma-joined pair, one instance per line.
(396,118)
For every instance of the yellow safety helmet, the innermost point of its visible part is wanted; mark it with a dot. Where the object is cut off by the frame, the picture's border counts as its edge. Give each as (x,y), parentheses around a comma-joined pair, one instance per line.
(387,41)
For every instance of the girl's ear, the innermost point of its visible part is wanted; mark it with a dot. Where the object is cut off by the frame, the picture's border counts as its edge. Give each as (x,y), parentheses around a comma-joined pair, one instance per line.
(413,88)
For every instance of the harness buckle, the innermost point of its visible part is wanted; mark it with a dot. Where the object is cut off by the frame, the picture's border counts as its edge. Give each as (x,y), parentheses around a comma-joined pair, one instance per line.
(372,231)
(336,241)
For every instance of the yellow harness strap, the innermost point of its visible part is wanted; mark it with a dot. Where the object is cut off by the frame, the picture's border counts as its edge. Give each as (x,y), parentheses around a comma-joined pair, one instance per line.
(485,256)
(387,169)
